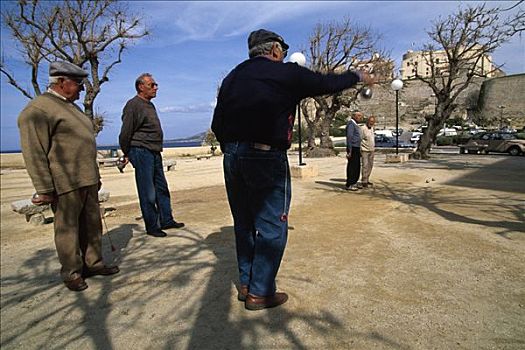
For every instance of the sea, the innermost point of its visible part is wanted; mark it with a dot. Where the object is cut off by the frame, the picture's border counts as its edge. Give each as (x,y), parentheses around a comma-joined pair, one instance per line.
(166,144)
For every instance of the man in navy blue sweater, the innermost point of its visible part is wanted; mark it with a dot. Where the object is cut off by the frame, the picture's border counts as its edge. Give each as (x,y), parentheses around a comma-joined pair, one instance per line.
(253,122)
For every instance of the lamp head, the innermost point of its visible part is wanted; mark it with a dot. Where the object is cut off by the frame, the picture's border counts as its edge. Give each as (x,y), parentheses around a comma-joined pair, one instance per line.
(397,84)
(298,57)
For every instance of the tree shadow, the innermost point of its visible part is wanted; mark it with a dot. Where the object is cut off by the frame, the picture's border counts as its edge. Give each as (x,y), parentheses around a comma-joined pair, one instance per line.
(174,292)
(37,285)
(223,323)
(503,212)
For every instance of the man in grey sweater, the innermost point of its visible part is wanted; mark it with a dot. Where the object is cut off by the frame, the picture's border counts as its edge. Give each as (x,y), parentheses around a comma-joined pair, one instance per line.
(141,140)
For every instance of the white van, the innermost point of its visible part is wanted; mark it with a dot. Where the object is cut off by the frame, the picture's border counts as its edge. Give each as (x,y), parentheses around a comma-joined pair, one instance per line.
(447,132)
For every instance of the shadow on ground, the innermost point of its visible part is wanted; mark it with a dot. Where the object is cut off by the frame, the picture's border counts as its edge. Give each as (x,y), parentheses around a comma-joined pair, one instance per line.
(457,200)
(171,293)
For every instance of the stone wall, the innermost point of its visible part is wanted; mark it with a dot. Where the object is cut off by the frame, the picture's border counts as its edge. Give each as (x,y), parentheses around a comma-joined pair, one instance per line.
(502,101)
(416,100)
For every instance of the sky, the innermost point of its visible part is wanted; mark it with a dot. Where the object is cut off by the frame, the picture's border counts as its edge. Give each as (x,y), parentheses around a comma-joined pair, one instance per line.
(193,45)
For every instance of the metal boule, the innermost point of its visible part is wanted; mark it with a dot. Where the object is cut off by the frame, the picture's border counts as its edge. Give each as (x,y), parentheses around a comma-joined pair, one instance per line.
(366,93)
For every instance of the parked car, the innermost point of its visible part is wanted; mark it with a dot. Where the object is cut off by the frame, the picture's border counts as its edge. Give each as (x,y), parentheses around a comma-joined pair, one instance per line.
(384,132)
(385,141)
(415,136)
(498,142)
(399,132)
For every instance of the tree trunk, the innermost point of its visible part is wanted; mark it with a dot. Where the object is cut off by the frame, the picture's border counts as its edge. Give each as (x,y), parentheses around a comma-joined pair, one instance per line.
(310,126)
(326,141)
(88,109)
(443,111)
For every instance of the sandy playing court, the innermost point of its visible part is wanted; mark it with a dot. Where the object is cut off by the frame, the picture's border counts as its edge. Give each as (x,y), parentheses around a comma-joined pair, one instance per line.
(431,258)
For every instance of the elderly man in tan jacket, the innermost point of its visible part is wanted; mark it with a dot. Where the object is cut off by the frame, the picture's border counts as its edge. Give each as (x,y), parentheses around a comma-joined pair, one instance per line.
(59,149)
(367,150)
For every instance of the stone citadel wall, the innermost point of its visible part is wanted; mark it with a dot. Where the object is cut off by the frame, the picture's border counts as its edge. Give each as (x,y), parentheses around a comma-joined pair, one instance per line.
(502,100)
(416,100)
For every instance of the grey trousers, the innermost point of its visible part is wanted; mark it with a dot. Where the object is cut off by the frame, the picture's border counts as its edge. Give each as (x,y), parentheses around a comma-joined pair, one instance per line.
(78,231)
(368,164)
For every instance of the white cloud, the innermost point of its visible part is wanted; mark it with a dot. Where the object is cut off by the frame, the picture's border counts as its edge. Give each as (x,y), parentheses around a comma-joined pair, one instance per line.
(193,108)
(175,22)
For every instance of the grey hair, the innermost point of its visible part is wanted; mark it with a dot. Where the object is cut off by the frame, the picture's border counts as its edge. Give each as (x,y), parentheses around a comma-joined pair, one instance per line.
(261,49)
(54,80)
(140,80)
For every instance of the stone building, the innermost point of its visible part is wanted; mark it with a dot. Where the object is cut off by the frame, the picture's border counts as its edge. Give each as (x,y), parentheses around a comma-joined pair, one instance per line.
(417,63)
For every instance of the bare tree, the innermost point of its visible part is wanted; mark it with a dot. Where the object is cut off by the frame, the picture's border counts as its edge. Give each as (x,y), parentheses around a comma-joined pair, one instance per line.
(335,47)
(466,38)
(86,33)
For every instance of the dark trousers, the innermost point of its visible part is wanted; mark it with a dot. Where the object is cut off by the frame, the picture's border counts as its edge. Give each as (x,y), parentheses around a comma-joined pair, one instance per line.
(78,231)
(353,167)
(259,194)
(152,187)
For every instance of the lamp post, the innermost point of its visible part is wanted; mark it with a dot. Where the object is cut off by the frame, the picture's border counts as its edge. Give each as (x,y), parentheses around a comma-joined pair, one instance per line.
(501,108)
(396,85)
(299,59)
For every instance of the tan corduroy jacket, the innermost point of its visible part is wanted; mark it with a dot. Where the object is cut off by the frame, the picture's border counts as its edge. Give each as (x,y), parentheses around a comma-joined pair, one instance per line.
(367,139)
(58,145)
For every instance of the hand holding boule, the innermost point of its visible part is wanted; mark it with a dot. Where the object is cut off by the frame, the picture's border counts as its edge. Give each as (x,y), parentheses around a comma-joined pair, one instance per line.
(368,79)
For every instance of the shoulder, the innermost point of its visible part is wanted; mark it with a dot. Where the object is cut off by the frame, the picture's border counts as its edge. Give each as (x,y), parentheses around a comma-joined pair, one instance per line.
(133,103)
(39,106)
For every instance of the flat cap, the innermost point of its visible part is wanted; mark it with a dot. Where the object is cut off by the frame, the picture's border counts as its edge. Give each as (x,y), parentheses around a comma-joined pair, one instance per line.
(67,69)
(262,36)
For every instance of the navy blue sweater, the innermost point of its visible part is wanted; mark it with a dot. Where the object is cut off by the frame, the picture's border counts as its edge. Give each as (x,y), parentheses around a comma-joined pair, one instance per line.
(258,98)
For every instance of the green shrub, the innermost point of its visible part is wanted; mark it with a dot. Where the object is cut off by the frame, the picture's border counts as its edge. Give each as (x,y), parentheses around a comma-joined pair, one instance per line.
(445,140)
(463,138)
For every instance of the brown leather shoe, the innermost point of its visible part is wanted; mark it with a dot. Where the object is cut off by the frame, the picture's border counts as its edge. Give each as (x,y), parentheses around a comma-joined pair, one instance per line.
(76,285)
(254,302)
(104,271)
(243,292)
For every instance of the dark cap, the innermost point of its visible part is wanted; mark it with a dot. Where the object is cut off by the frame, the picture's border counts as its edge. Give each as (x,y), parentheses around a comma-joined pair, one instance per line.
(66,69)
(262,36)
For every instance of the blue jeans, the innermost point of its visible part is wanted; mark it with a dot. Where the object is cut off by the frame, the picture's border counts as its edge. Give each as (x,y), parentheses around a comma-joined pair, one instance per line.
(259,193)
(154,195)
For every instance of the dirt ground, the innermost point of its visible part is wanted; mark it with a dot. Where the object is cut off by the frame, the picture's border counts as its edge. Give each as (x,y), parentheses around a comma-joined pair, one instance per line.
(431,258)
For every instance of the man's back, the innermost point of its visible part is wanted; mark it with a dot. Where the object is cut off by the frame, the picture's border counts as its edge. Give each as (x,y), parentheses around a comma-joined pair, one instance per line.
(257,99)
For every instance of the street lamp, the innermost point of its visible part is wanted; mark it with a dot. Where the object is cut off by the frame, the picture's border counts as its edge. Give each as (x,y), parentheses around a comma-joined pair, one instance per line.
(501,108)
(299,58)
(396,85)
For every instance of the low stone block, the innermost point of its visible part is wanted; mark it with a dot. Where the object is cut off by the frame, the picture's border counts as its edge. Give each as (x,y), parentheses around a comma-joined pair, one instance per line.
(304,171)
(169,164)
(37,219)
(103,195)
(27,208)
(397,158)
